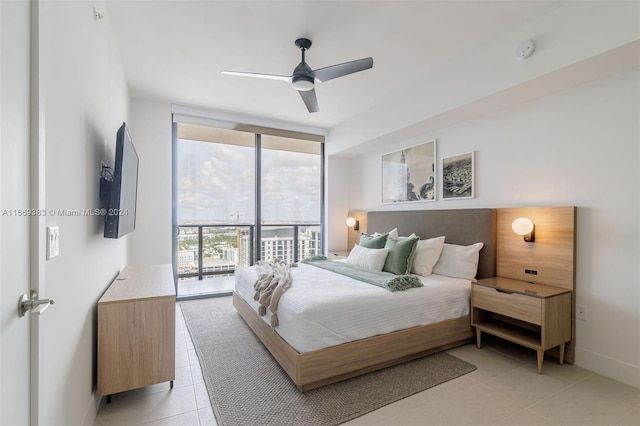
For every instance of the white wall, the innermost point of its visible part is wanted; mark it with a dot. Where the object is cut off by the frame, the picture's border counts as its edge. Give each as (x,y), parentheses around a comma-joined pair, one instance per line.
(150,129)
(337,208)
(86,101)
(577,147)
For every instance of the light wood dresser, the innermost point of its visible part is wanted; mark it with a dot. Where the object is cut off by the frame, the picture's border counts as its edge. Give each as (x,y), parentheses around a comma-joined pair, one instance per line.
(136,330)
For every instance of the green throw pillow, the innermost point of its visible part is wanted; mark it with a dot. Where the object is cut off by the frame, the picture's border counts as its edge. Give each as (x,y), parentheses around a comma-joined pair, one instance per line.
(369,241)
(400,255)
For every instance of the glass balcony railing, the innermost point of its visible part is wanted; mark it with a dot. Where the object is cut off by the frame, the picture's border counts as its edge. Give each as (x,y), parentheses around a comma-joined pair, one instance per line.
(208,255)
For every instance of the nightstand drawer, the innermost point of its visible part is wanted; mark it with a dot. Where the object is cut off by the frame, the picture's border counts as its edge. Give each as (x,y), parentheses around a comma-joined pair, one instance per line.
(514,305)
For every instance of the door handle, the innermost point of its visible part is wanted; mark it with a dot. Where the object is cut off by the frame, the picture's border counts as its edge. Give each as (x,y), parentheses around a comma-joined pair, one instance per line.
(31,303)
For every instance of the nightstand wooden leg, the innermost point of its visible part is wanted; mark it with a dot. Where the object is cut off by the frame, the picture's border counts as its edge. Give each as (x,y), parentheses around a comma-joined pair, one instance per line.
(561,359)
(540,359)
(478,337)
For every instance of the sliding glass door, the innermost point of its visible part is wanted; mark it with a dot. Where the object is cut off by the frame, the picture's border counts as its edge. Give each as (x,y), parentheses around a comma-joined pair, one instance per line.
(291,198)
(242,196)
(215,207)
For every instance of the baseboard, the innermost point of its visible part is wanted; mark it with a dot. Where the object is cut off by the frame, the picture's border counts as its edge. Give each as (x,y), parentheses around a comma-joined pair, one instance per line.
(91,412)
(613,368)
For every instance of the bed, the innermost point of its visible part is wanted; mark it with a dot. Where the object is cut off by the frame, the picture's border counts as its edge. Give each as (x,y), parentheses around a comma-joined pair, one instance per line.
(338,348)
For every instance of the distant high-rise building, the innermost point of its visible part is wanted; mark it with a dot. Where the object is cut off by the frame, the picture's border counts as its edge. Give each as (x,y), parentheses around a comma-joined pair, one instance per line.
(230,255)
(277,243)
(244,249)
(186,259)
(309,242)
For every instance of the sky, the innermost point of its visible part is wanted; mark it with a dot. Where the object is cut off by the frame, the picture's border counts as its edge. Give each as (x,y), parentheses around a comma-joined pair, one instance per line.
(216,184)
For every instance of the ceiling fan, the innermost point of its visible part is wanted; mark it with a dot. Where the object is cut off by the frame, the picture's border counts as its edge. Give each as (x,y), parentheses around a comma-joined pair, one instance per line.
(304,78)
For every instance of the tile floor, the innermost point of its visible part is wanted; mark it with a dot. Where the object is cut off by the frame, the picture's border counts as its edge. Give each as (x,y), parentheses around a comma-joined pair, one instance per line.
(504,390)
(209,285)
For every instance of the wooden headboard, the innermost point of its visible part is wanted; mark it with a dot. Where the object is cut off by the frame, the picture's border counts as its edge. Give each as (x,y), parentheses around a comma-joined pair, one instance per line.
(552,256)
(461,226)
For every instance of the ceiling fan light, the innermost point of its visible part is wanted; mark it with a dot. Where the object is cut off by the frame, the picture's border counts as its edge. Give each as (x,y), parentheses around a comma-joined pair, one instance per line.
(302,85)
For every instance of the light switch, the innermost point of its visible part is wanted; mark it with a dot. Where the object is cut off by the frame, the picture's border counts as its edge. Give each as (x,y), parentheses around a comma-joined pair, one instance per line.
(53,241)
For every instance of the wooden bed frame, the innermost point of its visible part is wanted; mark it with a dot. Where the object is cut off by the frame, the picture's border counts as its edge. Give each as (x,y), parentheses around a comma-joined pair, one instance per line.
(310,370)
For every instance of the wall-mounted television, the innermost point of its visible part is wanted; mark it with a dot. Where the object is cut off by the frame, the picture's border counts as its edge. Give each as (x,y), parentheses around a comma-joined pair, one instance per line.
(119,191)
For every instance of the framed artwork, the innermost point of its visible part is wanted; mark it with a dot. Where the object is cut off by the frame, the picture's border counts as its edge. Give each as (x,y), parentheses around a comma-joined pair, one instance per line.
(458,177)
(409,175)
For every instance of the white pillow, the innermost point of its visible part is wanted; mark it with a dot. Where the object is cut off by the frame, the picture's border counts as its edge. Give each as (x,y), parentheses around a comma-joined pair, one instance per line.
(426,255)
(368,258)
(413,235)
(459,261)
(393,234)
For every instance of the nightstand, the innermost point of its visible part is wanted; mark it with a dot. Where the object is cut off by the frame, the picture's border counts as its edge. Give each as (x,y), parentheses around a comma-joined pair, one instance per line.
(335,255)
(533,315)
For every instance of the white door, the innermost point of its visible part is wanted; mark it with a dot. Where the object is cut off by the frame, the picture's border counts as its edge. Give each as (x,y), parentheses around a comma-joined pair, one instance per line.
(15,332)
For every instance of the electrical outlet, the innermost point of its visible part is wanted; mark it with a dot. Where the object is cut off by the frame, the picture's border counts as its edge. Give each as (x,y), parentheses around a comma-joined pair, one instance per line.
(53,241)
(581,312)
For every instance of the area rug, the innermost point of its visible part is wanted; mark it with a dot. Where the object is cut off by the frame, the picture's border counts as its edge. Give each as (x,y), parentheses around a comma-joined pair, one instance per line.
(247,386)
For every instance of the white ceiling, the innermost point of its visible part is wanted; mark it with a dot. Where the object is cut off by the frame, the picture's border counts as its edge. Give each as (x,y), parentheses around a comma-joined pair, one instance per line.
(174,50)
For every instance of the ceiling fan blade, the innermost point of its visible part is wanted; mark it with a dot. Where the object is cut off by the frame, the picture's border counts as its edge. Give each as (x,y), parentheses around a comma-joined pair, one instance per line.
(310,100)
(285,78)
(335,71)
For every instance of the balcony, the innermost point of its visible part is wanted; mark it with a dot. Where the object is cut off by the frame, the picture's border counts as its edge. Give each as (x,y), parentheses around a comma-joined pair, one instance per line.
(207,255)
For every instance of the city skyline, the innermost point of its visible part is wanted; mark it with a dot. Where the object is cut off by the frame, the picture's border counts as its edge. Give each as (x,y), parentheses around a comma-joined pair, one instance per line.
(223,249)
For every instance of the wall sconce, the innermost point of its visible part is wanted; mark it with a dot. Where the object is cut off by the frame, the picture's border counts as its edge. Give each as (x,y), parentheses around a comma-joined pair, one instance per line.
(524,226)
(351,222)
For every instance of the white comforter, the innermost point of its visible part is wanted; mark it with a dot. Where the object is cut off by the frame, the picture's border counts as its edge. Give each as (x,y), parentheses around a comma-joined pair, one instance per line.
(323,309)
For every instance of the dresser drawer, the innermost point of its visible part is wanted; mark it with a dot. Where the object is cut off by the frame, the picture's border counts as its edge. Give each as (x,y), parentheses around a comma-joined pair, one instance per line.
(514,305)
